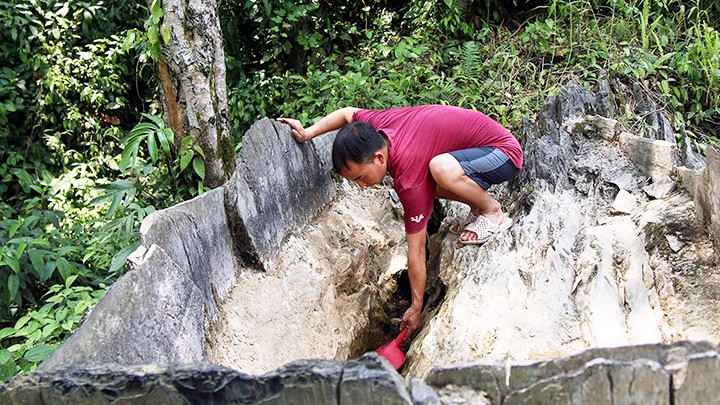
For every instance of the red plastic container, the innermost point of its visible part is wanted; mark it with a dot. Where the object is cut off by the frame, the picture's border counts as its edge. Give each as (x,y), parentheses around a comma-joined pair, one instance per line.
(392,352)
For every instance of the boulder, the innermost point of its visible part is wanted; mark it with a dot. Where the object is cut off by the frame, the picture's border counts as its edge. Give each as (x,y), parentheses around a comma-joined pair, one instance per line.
(151,315)
(277,187)
(369,379)
(707,197)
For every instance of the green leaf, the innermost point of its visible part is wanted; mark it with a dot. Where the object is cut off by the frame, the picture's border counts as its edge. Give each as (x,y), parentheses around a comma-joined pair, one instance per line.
(38,262)
(13,228)
(185,159)
(39,353)
(156,119)
(120,258)
(13,263)
(153,34)
(152,147)
(164,141)
(166,34)
(21,322)
(199,167)
(156,11)
(169,134)
(13,285)
(65,269)
(70,280)
(5,356)
(5,332)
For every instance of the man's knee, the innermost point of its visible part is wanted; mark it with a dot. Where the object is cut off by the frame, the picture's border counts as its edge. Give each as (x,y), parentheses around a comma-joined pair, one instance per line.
(445,168)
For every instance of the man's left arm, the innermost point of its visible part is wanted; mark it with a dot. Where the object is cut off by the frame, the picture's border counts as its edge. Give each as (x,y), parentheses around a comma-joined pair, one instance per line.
(418,276)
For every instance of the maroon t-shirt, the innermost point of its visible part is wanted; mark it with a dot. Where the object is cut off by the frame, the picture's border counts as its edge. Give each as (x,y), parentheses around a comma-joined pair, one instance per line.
(417,134)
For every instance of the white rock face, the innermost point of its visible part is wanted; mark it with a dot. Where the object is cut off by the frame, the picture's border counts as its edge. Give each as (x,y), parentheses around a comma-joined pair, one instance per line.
(573,274)
(316,298)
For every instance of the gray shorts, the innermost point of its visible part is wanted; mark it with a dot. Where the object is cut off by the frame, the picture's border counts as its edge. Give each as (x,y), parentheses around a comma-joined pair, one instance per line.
(487,165)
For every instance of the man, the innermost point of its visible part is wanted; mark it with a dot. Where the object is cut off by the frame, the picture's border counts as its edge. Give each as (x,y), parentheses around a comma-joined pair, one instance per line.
(431,151)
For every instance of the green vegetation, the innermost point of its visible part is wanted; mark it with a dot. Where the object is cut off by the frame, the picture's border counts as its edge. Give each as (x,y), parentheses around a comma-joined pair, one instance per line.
(84,156)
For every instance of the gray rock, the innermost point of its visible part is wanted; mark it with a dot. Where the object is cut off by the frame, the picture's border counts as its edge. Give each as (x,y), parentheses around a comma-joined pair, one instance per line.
(526,375)
(592,126)
(656,158)
(661,188)
(422,394)
(690,157)
(368,380)
(632,374)
(701,382)
(372,380)
(548,147)
(196,236)
(707,197)
(488,377)
(278,186)
(689,179)
(600,382)
(659,126)
(152,315)
(625,202)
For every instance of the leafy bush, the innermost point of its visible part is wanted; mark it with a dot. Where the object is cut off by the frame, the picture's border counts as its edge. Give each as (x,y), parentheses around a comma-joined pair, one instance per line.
(36,334)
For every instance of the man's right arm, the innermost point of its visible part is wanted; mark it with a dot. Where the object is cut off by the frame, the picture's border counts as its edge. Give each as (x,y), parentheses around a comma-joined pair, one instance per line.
(335,120)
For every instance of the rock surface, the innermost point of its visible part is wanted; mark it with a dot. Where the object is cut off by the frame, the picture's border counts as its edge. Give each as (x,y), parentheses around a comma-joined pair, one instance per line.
(247,277)
(368,380)
(679,373)
(586,262)
(278,186)
(152,315)
(297,308)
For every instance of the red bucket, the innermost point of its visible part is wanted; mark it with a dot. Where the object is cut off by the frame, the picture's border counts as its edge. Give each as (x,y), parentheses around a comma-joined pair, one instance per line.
(392,352)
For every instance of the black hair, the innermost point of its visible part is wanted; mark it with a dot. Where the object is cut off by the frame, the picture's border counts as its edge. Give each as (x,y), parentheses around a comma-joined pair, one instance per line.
(356,142)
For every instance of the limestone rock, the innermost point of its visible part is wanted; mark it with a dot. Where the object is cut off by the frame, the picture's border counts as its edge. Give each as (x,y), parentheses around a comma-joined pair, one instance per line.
(625,203)
(367,380)
(278,186)
(653,117)
(422,394)
(661,188)
(707,198)
(656,158)
(592,126)
(700,383)
(639,374)
(151,315)
(568,275)
(195,234)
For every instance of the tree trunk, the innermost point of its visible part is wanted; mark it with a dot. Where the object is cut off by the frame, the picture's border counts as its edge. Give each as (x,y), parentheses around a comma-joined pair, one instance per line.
(192,82)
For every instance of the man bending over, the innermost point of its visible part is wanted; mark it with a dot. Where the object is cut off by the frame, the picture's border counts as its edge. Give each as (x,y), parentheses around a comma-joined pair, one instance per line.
(431,151)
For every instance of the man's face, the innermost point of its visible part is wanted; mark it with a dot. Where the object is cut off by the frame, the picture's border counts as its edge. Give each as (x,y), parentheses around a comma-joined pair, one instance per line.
(366,174)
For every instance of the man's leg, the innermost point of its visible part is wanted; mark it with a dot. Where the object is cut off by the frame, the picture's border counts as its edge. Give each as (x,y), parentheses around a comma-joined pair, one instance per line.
(454,184)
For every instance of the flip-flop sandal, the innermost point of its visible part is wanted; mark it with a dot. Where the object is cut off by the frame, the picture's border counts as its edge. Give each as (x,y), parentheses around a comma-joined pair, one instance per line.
(485,229)
(458,226)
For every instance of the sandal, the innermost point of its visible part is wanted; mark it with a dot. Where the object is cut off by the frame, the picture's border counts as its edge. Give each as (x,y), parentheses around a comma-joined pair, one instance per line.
(458,226)
(485,229)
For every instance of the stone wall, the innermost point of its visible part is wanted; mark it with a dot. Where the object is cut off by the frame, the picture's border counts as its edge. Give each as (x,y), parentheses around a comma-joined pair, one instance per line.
(681,373)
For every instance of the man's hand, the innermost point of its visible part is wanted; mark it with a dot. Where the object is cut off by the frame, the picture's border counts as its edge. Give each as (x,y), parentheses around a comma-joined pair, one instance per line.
(411,319)
(298,132)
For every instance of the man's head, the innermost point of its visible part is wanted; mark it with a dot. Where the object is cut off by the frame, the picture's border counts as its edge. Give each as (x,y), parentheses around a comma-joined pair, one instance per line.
(359,154)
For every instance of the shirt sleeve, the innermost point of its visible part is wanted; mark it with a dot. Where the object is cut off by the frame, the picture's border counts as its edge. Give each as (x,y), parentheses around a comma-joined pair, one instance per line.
(418,205)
